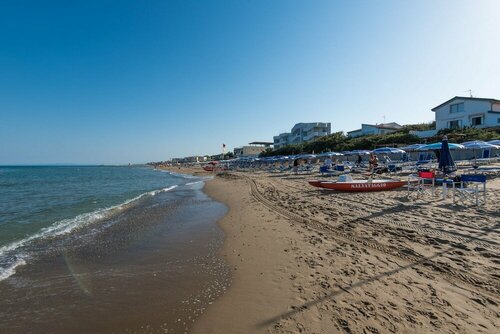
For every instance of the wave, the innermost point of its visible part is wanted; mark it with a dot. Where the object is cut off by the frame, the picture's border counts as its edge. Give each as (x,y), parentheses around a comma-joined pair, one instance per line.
(195,182)
(11,269)
(201,179)
(185,176)
(62,227)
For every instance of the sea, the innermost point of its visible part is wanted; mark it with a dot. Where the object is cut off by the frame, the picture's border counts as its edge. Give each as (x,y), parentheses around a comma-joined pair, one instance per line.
(75,238)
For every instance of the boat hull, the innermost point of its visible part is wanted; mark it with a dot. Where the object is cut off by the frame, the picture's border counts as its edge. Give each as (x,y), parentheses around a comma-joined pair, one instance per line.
(315,183)
(362,186)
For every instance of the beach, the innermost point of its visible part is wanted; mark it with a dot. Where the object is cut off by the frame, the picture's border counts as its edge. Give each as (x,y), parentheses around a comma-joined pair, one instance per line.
(306,260)
(262,252)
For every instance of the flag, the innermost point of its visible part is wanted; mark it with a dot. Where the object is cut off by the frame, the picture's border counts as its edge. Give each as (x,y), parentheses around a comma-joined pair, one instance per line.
(223,145)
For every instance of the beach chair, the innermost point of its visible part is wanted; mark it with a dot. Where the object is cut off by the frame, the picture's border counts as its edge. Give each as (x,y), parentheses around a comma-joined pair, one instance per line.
(339,168)
(324,169)
(425,183)
(392,168)
(471,188)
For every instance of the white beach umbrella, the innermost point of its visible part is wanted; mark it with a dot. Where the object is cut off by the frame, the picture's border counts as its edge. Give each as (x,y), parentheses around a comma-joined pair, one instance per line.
(494,142)
(357,152)
(329,154)
(388,150)
(413,147)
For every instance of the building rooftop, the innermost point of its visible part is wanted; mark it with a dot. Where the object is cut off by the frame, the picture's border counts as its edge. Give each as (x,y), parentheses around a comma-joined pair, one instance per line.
(392,125)
(265,143)
(466,98)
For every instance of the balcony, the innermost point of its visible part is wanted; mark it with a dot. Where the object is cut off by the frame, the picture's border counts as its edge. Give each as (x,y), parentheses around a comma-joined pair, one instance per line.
(313,135)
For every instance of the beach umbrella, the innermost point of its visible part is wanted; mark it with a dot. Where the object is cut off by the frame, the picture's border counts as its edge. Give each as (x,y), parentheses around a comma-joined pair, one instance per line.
(465,143)
(479,145)
(413,147)
(329,154)
(388,150)
(438,146)
(494,142)
(306,156)
(446,163)
(270,159)
(357,152)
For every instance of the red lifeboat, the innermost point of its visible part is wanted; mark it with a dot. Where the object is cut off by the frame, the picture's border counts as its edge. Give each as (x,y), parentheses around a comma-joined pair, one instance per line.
(315,183)
(211,166)
(346,183)
(363,185)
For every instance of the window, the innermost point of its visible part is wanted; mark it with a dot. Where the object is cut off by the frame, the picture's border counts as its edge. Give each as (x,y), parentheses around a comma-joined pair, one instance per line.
(459,107)
(455,124)
(476,120)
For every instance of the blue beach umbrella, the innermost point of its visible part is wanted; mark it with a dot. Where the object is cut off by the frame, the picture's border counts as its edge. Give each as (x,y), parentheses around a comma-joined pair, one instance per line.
(388,150)
(438,146)
(478,144)
(446,163)
(413,147)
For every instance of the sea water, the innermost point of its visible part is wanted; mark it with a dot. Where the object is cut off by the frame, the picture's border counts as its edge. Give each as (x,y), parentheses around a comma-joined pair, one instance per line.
(106,249)
(43,202)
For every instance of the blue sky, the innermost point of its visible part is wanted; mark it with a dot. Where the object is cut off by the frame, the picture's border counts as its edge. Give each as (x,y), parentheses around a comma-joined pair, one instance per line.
(136,81)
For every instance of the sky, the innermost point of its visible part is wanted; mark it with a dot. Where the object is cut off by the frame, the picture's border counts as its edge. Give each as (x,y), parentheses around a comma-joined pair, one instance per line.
(113,82)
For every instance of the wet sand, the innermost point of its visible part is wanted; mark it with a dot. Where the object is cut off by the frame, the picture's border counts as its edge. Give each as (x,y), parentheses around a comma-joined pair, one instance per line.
(153,271)
(306,260)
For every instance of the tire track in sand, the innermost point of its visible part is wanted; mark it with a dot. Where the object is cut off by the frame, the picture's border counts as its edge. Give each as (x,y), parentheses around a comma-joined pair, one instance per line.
(491,288)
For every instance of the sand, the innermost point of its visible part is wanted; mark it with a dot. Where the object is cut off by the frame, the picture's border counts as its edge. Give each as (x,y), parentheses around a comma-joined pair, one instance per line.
(306,260)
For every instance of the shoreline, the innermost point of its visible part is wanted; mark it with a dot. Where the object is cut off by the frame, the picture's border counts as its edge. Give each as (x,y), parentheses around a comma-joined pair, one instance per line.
(153,263)
(256,290)
(260,285)
(299,266)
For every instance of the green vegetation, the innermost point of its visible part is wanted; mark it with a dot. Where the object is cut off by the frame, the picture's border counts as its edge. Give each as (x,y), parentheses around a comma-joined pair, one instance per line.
(469,133)
(420,126)
(338,142)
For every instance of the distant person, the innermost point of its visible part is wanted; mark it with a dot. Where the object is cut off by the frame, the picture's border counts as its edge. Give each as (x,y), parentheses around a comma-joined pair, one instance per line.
(296,166)
(328,162)
(373,162)
(359,160)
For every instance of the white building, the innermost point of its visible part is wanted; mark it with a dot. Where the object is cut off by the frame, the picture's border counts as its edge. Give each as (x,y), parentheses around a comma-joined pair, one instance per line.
(374,129)
(460,112)
(302,133)
(281,140)
(252,150)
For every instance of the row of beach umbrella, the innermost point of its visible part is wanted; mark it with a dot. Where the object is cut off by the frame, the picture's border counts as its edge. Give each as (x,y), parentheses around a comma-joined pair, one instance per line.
(473,145)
